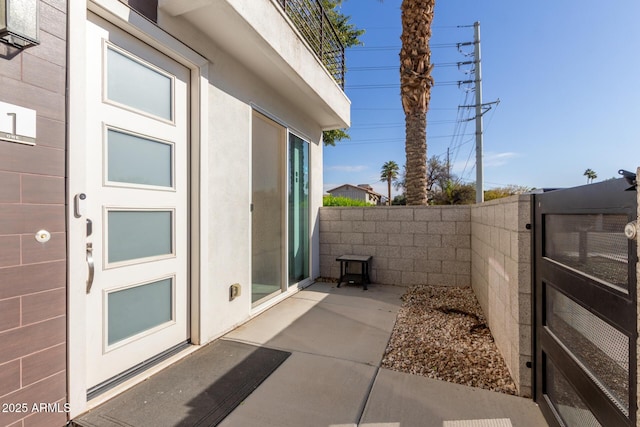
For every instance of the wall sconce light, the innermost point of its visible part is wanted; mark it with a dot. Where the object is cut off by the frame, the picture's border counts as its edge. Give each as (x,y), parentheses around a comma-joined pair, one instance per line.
(19,22)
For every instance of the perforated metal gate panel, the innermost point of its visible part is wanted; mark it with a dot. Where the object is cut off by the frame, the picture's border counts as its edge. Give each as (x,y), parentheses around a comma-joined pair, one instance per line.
(585,305)
(601,348)
(593,244)
(566,401)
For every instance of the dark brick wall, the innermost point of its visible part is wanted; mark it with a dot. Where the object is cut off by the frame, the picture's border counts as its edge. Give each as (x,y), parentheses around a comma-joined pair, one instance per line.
(32,197)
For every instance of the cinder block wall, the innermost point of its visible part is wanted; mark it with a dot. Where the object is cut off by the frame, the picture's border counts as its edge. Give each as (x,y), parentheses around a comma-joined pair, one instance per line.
(410,245)
(486,246)
(501,278)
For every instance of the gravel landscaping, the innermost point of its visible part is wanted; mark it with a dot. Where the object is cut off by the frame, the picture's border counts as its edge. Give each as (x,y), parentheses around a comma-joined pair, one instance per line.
(441,333)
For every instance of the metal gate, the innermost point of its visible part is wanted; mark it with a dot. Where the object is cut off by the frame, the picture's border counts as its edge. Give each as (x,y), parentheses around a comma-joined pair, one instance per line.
(585,305)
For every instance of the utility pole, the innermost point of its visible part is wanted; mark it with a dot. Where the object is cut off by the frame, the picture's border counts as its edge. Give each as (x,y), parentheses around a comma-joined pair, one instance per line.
(479,113)
(479,107)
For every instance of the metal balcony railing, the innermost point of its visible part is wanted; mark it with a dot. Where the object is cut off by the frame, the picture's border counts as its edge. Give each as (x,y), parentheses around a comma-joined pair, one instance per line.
(313,23)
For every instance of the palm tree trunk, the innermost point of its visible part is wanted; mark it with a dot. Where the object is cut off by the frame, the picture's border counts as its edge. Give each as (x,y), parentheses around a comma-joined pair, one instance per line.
(389,190)
(415,89)
(416,153)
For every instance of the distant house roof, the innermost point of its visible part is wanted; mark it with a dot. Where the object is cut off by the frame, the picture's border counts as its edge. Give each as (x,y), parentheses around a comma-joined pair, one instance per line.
(361,187)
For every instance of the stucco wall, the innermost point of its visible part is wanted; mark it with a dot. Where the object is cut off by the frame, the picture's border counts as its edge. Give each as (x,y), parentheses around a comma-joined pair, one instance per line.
(409,245)
(501,279)
(234,92)
(32,198)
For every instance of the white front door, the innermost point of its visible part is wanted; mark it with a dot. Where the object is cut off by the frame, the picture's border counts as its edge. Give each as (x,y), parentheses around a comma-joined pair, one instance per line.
(137,202)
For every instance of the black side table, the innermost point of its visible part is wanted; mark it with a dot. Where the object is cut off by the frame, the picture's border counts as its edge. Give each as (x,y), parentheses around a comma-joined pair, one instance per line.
(363,277)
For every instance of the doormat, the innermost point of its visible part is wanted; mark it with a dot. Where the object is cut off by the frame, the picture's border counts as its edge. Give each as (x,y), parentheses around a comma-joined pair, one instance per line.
(199,390)
(495,422)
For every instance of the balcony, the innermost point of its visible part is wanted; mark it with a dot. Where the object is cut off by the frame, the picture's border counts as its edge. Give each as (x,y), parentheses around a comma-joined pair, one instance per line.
(312,22)
(287,44)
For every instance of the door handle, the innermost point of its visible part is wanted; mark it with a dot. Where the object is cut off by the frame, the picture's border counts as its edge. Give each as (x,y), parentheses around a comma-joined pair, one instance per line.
(78,204)
(631,230)
(91,266)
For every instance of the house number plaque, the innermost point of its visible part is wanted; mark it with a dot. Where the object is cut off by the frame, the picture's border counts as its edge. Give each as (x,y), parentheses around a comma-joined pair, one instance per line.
(17,124)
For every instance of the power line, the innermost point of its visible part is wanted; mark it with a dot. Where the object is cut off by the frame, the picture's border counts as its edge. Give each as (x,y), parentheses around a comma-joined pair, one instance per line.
(460,145)
(397,85)
(398,108)
(467,164)
(398,47)
(460,138)
(374,86)
(488,182)
(389,141)
(396,125)
(398,27)
(396,67)
(493,112)
(386,141)
(460,128)
(403,123)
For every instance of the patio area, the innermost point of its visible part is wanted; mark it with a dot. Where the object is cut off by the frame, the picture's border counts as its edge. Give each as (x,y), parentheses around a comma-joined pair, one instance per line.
(336,338)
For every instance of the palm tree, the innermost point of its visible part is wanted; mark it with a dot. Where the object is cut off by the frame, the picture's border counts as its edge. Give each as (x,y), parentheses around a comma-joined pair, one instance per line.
(590,174)
(415,89)
(389,173)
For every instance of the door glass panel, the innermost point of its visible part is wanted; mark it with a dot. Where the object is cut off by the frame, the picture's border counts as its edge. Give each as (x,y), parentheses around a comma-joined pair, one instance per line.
(138,309)
(135,84)
(136,160)
(601,348)
(592,244)
(298,209)
(139,234)
(267,220)
(570,406)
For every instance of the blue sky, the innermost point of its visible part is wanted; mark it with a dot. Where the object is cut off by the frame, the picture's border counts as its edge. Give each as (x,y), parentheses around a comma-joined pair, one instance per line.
(566,73)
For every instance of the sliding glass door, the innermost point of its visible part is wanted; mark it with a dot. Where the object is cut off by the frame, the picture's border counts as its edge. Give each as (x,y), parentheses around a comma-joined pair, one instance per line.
(298,209)
(268,198)
(280,209)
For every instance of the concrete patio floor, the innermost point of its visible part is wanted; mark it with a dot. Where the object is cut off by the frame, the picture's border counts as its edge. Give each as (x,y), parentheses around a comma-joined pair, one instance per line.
(337,337)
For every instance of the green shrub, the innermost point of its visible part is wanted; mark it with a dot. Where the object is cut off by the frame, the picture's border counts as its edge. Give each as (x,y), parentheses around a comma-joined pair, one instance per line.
(342,201)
